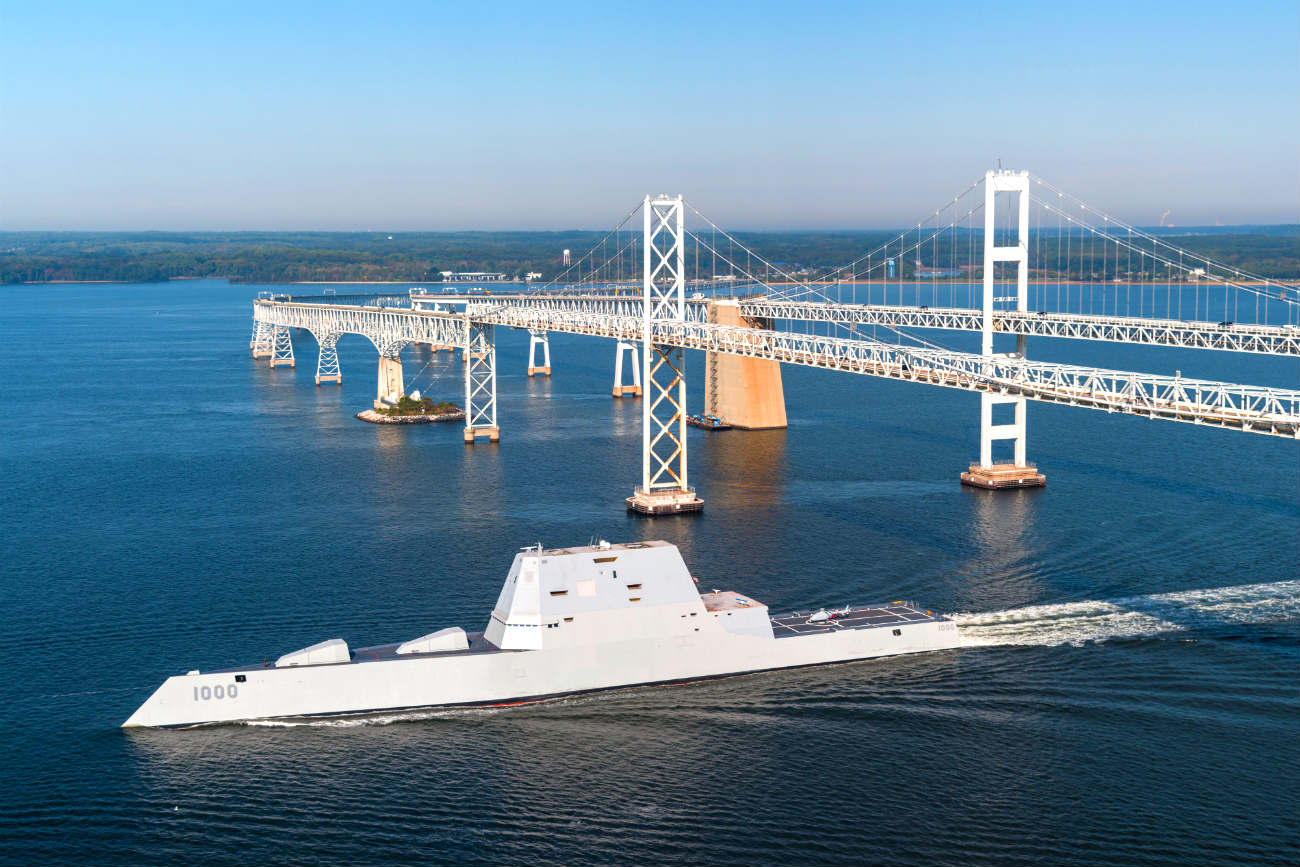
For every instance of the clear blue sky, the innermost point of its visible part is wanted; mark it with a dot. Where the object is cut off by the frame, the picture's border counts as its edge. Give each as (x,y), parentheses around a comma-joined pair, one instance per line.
(404,116)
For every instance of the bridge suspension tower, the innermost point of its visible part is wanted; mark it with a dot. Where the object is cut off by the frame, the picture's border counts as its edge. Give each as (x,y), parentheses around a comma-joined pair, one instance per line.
(1019,473)
(664,488)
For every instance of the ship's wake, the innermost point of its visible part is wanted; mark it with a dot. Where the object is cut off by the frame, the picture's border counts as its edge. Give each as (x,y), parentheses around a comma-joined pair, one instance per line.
(378,718)
(1078,623)
(1072,623)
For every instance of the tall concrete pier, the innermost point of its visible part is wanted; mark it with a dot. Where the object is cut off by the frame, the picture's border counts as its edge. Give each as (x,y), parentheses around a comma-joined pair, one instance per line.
(391,387)
(745,392)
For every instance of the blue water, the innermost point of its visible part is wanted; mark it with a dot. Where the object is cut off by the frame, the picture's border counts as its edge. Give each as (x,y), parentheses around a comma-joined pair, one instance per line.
(1129,692)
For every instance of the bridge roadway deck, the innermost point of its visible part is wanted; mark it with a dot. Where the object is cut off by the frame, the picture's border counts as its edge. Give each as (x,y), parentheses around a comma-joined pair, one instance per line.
(1247,408)
(1188,334)
(1232,337)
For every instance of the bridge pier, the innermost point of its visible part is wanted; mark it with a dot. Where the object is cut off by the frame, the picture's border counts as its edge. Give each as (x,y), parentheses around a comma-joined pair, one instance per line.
(536,339)
(480,383)
(1020,473)
(282,347)
(744,392)
(664,489)
(1017,474)
(327,361)
(262,344)
(391,387)
(634,388)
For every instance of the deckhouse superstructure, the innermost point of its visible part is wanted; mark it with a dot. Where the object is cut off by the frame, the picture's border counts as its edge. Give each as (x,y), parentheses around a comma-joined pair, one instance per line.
(570,597)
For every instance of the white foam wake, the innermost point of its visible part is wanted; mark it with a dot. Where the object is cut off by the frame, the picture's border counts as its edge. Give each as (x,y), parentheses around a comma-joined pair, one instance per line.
(377,718)
(1066,623)
(1136,616)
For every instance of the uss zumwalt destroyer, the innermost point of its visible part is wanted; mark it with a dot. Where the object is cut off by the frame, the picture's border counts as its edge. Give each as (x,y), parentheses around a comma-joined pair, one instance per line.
(568,621)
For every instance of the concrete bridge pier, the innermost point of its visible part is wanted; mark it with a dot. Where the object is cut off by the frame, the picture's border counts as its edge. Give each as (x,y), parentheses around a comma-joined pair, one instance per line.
(1017,474)
(619,388)
(745,392)
(536,339)
(391,388)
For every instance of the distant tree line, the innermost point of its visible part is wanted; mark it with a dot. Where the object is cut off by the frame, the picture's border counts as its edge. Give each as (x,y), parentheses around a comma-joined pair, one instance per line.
(347,257)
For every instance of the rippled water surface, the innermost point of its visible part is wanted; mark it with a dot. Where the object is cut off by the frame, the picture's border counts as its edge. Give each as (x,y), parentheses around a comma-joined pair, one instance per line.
(1128,690)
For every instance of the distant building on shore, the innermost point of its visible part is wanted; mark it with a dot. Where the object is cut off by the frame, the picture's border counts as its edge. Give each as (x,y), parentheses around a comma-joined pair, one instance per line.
(473,277)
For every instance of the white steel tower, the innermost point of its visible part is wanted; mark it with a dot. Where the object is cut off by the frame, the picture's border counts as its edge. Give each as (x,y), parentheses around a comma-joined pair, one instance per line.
(665,487)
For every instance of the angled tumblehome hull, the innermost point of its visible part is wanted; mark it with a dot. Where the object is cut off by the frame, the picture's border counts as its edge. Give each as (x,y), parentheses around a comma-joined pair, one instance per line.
(567,621)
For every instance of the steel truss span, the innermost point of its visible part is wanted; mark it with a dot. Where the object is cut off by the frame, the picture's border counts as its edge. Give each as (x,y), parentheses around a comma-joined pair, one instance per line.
(1247,408)
(1187,334)
(388,328)
(1268,339)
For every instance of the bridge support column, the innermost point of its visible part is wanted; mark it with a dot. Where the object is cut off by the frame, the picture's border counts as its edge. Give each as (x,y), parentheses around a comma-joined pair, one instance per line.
(263,343)
(480,383)
(1019,473)
(327,362)
(664,488)
(619,388)
(745,392)
(536,339)
(390,387)
(282,347)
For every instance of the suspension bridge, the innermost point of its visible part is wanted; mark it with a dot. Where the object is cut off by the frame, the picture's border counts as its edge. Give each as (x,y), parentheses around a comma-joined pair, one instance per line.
(1010,257)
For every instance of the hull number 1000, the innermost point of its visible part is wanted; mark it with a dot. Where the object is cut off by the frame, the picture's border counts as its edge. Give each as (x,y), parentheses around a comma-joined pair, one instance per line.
(206,693)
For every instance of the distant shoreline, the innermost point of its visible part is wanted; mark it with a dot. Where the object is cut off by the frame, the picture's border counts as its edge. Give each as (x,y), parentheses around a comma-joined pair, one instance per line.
(319,259)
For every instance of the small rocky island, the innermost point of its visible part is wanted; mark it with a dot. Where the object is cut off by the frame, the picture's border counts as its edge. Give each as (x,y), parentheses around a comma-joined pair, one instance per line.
(413,410)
